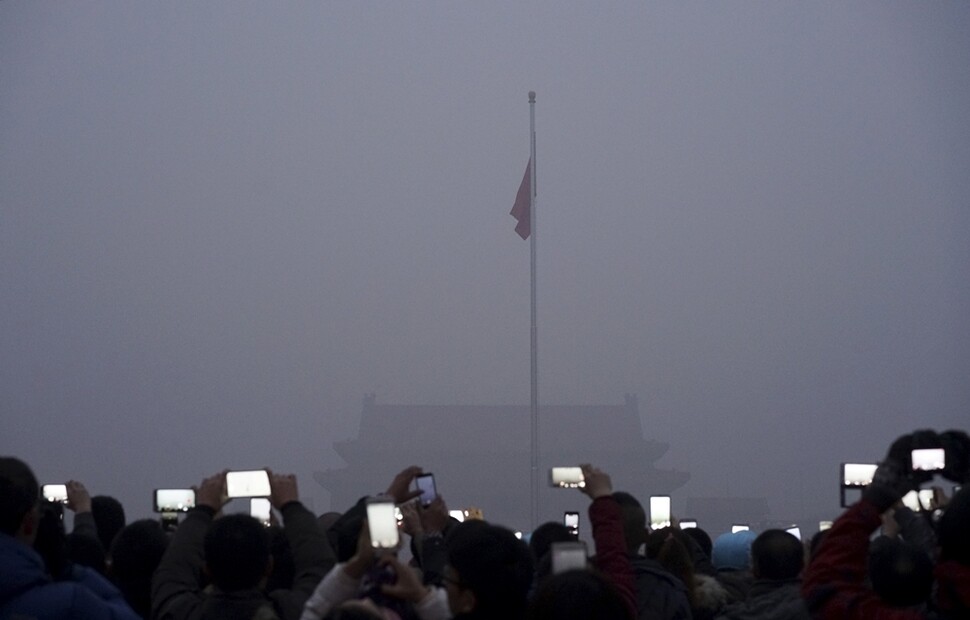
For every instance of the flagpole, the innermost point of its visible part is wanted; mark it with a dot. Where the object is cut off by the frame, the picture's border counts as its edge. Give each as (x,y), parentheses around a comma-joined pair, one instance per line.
(533,331)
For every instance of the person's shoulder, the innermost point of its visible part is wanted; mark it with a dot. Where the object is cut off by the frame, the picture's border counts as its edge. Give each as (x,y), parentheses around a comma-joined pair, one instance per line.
(59,599)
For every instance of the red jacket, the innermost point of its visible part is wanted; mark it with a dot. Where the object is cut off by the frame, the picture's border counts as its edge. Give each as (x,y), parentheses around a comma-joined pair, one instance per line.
(611,557)
(833,584)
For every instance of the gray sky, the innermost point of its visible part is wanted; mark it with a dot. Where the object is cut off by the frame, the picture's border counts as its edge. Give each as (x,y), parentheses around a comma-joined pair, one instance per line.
(223,223)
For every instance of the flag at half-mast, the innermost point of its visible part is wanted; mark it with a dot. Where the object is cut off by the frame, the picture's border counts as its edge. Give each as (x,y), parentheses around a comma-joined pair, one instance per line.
(522,208)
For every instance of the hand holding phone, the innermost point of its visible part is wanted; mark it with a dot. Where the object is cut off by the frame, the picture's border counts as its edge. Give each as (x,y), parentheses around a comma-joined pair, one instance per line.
(283,489)
(425,484)
(596,482)
(212,492)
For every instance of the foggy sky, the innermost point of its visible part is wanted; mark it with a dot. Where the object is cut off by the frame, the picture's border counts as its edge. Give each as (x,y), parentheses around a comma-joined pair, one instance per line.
(223,223)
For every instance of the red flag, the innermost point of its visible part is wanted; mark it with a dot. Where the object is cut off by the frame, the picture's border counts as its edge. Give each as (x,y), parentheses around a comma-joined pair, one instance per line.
(523,203)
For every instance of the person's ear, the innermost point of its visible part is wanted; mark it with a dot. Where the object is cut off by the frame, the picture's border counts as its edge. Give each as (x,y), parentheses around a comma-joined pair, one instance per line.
(28,525)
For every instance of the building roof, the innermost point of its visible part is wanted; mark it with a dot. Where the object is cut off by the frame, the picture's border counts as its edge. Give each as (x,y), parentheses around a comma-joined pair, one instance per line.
(480,454)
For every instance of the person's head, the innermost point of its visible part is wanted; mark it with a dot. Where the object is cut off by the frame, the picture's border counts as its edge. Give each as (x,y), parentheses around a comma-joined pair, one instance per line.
(777,555)
(953,530)
(237,553)
(19,493)
(135,554)
(542,538)
(87,551)
(814,543)
(668,546)
(489,571)
(634,520)
(109,518)
(901,574)
(50,539)
(732,551)
(578,595)
(702,538)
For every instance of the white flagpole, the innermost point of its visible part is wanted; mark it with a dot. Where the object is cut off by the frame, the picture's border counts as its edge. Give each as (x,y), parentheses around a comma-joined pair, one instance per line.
(534,333)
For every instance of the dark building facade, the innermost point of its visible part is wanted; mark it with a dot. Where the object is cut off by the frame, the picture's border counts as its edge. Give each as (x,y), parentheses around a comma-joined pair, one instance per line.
(480,455)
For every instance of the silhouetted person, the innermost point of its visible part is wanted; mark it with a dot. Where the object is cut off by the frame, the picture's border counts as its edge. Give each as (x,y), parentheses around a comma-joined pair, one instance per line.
(26,588)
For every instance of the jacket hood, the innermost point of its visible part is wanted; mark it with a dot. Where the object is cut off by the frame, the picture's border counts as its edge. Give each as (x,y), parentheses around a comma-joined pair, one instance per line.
(22,568)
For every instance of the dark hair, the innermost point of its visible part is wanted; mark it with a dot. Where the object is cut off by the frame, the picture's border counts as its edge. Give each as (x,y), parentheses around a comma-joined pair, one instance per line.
(702,538)
(109,518)
(669,547)
(542,538)
(814,543)
(494,564)
(777,554)
(87,551)
(135,554)
(953,530)
(19,493)
(634,520)
(51,540)
(578,595)
(236,552)
(901,574)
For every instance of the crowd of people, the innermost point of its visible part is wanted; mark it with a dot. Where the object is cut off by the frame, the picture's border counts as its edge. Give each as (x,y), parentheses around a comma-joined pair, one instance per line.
(310,567)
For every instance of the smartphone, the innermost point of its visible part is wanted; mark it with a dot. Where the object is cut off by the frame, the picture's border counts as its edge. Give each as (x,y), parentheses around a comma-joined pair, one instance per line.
(571,521)
(261,509)
(659,511)
(174,500)
(795,531)
(55,493)
(918,501)
(568,556)
(686,524)
(567,477)
(824,525)
(425,484)
(382,523)
(931,459)
(253,483)
(739,527)
(857,474)
(457,515)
